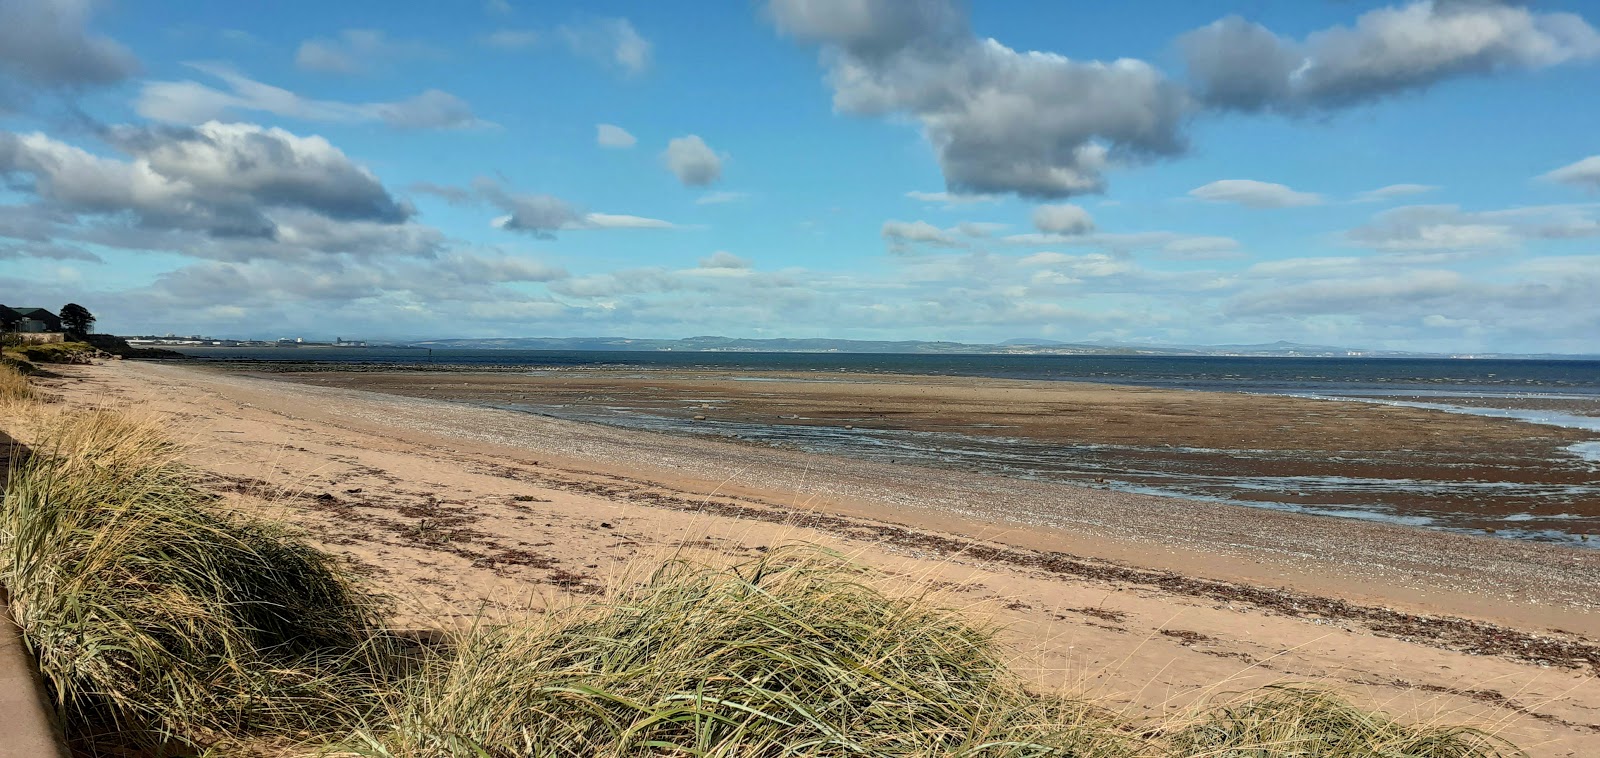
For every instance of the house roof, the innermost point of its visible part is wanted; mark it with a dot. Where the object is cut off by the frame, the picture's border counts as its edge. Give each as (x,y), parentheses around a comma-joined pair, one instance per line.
(36,314)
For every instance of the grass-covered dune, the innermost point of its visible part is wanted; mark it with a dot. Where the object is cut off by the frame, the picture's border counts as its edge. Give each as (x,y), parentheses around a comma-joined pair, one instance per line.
(164,625)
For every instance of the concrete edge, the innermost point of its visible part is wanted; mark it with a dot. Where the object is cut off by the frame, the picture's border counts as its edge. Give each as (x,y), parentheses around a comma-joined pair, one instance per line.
(26,717)
(28,724)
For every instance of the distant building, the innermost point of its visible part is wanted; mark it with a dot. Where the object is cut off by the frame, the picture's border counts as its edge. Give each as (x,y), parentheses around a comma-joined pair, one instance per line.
(29,320)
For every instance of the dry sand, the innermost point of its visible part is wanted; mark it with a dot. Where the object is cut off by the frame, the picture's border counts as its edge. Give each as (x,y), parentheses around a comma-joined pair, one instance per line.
(1152,602)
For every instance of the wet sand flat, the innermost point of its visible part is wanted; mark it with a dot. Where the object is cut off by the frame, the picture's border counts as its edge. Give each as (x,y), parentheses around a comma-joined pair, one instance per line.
(1404,464)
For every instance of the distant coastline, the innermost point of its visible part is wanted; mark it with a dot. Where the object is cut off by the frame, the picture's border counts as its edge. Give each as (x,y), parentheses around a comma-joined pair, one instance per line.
(710,344)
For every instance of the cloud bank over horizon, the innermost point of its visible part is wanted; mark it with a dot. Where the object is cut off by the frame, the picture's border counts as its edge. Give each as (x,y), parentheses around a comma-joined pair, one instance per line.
(506,173)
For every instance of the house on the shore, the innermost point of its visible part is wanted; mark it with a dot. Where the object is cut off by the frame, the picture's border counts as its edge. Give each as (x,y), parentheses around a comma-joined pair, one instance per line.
(29,320)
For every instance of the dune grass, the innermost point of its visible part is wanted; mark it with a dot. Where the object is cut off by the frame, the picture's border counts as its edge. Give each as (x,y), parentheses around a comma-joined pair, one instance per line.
(166,626)
(1309,723)
(791,654)
(157,620)
(14,386)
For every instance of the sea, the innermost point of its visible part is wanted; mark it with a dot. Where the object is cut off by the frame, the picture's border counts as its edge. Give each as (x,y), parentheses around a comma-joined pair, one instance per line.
(1563,393)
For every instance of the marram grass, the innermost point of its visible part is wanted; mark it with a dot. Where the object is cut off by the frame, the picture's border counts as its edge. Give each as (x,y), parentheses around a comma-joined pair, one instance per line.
(792,654)
(1309,723)
(165,626)
(158,620)
(14,387)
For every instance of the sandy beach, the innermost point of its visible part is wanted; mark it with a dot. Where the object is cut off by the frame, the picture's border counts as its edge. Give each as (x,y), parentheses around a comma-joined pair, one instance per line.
(461,510)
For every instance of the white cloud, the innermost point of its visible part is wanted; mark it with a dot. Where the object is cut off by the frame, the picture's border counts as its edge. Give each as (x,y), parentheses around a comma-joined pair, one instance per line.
(613,136)
(617,221)
(724,259)
(1370,294)
(219,178)
(612,41)
(1584,173)
(1242,65)
(1447,228)
(356,51)
(1254,194)
(1437,321)
(189,102)
(901,236)
(1393,191)
(1035,124)
(693,161)
(1203,248)
(1064,219)
(543,215)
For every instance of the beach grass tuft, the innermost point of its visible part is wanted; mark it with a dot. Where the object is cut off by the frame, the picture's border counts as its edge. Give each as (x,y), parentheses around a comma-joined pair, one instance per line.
(157,619)
(14,386)
(790,654)
(1311,723)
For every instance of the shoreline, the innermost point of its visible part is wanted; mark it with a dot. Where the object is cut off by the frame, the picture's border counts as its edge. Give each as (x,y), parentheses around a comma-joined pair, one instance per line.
(428,495)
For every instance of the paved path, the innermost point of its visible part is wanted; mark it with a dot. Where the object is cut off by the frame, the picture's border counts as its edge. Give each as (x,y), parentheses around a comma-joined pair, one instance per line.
(27,725)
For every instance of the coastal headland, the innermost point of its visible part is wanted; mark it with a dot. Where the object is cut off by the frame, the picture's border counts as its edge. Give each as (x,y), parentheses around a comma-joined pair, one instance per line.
(461,510)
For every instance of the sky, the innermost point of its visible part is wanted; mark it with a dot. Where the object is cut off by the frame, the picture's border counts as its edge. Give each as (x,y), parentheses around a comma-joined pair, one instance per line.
(1413,176)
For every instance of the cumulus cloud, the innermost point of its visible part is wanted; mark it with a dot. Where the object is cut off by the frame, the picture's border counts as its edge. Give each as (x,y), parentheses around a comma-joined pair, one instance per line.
(542,215)
(1254,194)
(693,161)
(611,41)
(724,259)
(219,178)
(1393,191)
(902,236)
(1001,121)
(1584,173)
(1064,219)
(613,136)
(226,192)
(357,50)
(190,102)
(1238,64)
(47,44)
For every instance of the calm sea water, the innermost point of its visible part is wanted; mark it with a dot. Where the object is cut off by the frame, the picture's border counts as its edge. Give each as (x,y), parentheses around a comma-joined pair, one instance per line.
(1190,372)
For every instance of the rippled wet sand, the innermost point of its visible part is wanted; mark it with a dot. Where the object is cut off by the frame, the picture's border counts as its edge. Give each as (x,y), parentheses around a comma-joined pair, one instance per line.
(1384,462)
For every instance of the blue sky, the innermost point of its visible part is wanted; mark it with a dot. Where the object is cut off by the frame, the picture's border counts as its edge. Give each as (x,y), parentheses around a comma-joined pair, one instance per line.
(1413,176)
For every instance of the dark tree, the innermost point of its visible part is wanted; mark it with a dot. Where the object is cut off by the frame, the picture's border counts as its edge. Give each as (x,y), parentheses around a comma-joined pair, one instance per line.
(76,319)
